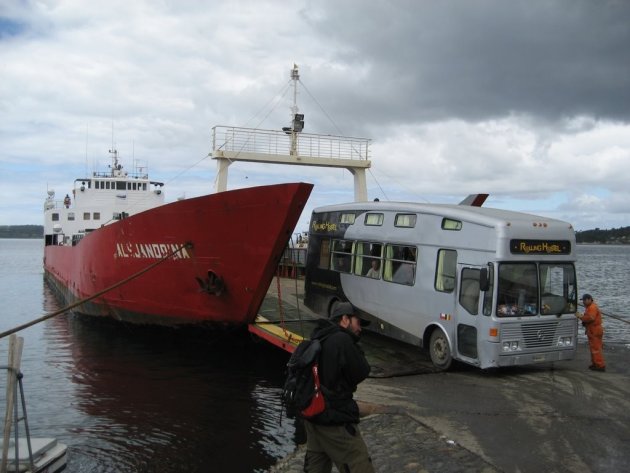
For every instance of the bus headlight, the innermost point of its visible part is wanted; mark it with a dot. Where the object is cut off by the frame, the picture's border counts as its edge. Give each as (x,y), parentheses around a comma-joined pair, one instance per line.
(511,345)
(565,341)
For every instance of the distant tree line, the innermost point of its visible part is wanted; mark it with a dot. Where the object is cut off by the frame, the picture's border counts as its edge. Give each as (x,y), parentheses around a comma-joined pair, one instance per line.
(613,236)
(21,231)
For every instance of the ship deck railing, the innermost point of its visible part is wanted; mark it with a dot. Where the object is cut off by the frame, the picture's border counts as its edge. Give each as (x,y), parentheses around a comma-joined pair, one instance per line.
(275,142)
(54,204)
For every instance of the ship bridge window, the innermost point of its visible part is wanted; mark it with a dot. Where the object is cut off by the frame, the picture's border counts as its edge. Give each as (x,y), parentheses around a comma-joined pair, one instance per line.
(107,185)
(405,220)
(70,215)
(144,186)
(86,215)
(121,186)
(445,270)
(96,215)
(341,256)
(347,218)
(55,217)
(135,186)
(400,264)
(374,219)
(450,224)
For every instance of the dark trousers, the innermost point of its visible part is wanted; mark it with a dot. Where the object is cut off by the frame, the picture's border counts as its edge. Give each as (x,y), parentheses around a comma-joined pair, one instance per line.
(342,445)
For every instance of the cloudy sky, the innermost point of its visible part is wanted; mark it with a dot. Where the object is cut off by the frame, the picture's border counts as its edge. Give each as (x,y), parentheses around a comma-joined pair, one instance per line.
(526,100)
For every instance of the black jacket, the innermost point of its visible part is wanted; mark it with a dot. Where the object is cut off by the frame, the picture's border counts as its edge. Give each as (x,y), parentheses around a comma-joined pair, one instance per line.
(342,366)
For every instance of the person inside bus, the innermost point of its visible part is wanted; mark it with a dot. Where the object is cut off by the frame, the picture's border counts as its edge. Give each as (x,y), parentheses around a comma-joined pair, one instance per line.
(344,257)
(374,271)
(405,272)
(343,264)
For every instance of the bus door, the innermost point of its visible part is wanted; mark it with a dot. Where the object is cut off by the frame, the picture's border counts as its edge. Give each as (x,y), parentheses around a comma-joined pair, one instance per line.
(467,312)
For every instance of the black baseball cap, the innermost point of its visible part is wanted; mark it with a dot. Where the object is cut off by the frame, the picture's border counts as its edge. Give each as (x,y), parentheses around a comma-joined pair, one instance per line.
(345,308)
(587,296)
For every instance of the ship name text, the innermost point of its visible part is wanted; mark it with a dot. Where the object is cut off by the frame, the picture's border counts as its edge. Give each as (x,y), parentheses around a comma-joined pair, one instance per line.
(150,250)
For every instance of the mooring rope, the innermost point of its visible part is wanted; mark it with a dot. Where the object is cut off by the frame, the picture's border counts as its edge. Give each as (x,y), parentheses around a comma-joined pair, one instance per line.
(282,322)
(612,316)
(297,300)
(187,245)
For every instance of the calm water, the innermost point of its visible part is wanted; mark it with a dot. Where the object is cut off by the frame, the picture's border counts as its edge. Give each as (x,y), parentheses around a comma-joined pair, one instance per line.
(132,399)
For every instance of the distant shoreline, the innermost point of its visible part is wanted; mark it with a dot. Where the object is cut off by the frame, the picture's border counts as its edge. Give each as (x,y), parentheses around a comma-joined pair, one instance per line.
(615,236)
(22,231)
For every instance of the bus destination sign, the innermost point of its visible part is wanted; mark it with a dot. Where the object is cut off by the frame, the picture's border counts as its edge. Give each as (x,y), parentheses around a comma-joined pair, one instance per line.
(540,247)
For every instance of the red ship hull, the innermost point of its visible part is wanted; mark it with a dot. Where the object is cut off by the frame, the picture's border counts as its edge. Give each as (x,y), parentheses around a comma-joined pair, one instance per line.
(237,239)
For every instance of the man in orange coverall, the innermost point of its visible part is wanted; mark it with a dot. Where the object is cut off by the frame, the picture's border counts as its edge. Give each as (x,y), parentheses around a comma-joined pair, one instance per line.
(592,321)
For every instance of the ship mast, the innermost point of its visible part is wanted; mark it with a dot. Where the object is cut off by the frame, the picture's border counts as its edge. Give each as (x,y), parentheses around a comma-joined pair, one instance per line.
(290,146)
(297,119)
(114,154)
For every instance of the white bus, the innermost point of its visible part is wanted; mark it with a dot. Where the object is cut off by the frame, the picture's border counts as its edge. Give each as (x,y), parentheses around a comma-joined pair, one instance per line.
(484,286)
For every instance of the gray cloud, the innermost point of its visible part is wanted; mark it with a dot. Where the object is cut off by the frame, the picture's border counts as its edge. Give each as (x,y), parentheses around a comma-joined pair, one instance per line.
(482,59)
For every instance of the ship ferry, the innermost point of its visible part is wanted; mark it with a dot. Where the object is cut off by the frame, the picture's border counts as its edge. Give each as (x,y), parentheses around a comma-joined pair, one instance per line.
(192,261)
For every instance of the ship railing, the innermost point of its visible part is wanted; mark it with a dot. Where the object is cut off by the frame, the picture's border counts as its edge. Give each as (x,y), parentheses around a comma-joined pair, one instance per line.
(53,204)
(274,142)
(129,175)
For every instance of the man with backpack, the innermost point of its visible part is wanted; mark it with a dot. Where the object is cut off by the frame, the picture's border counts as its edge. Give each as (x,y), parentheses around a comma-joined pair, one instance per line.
(333,435)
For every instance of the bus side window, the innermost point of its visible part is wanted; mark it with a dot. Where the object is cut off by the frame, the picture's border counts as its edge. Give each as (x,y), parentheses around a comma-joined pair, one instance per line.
(469,290)
(400,264)
(324,254)
(368,259)
(341,259)
(445,270)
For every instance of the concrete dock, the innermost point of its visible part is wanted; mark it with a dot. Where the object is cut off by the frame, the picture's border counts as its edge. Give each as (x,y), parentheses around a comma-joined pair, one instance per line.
(549,417)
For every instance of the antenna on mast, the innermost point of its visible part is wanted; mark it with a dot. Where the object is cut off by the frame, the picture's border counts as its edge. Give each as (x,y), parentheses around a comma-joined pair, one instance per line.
(114,154)
(87,127)
(297,123)
(295,77)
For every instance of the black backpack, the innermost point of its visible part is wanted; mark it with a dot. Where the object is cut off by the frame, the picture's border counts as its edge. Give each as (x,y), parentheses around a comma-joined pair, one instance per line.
(302,394)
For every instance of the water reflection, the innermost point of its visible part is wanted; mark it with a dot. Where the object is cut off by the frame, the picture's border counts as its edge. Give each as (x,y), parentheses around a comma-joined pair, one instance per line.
(171,400)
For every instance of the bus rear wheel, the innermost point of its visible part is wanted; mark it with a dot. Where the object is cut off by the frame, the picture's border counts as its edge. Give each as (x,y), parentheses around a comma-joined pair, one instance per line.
(440,350)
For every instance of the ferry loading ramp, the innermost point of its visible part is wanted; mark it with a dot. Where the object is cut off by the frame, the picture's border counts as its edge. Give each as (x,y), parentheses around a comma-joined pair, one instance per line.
(284,321)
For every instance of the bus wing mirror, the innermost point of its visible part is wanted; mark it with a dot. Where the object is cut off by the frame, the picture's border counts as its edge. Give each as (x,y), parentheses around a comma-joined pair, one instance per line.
(484,282)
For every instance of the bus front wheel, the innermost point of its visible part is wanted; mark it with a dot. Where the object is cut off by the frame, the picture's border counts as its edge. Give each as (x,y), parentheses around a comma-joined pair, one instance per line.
(440,350)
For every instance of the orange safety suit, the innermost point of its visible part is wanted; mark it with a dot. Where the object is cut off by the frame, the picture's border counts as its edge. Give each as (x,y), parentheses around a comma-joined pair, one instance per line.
(592,321)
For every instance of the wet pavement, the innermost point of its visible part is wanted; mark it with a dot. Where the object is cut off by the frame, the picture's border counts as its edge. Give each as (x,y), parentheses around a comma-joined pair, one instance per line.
(549,417)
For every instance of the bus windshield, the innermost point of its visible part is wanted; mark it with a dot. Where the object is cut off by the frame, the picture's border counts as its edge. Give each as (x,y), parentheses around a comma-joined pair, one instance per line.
(527,289)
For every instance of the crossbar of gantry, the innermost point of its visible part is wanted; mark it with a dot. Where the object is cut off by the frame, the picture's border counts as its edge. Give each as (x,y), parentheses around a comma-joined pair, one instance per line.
(231,144)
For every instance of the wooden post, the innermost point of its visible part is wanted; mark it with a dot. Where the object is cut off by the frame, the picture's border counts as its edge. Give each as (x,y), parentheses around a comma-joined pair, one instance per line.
(15,357)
